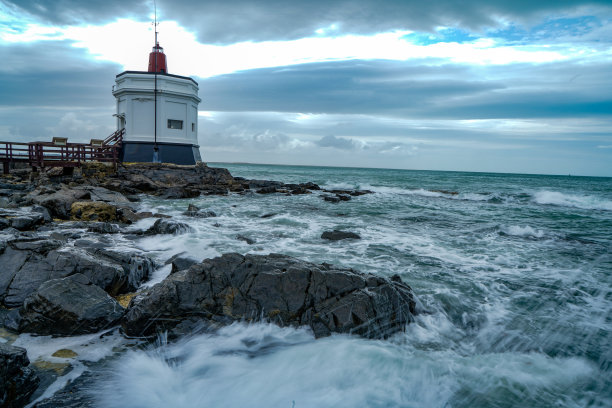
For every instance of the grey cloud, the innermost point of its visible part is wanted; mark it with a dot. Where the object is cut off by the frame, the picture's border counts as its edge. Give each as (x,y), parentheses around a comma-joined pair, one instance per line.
(54,74)
(339,87)
(409,90)
(79,11)
(336,142)
(221,21)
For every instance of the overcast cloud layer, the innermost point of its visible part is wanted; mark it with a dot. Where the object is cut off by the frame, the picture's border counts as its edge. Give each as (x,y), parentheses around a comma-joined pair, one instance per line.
(479,85)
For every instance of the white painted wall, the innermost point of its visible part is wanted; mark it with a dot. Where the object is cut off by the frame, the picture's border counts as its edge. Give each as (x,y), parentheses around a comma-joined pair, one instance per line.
(177,99)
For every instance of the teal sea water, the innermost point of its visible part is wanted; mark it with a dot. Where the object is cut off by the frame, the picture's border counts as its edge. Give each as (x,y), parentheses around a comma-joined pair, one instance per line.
(512,275)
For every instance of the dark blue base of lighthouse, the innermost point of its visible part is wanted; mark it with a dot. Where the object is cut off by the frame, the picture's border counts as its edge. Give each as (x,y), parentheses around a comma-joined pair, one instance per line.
(144,152)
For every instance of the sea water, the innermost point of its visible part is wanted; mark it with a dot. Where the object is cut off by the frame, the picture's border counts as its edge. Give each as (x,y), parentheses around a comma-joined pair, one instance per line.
(512,276)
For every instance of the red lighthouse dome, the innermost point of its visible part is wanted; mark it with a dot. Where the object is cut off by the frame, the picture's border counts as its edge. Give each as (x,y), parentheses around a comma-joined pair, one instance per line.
(157,60)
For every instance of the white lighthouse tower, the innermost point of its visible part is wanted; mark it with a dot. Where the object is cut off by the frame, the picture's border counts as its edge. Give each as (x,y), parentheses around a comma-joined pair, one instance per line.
(159,112)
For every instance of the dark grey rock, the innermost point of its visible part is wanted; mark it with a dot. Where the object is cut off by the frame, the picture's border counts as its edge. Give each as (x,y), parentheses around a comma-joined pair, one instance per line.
(4,223)
(248,240)
(29,263)
(179,192)
(17,380)
(165,226)
(43,211)
(193,211)
(104,228)
(69,306)
(285,290)
(267,190)
(331,199)
(59,202)
(336,235)
(27,222)
(180,262)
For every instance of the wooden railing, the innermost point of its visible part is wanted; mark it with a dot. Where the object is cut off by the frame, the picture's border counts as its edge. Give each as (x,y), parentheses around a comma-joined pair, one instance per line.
(47,154)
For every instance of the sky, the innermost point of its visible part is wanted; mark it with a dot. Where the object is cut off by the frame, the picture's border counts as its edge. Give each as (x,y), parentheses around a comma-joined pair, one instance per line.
(517,86)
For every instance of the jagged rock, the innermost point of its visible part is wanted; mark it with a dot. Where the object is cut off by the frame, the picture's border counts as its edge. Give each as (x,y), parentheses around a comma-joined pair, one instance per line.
(69,306)
(193,211)
(285,290)
(310,186)
(179,192)
(201,214)
(165,226)
(59,202)
(104,228)
(102,194)
(43,212)
(92,211)
(26,222)
(128,216)
(17,380)
(180,262)
(267,190)
(26,264)
(337,235)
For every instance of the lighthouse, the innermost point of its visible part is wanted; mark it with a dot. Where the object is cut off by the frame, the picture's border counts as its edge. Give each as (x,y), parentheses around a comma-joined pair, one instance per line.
(159,112)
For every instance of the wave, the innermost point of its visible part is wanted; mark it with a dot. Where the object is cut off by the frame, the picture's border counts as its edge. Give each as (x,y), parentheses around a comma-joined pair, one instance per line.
(586,202)
(520,231)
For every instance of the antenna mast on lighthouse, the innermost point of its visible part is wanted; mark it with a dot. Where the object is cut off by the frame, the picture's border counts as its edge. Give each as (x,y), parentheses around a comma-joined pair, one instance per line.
(155,148)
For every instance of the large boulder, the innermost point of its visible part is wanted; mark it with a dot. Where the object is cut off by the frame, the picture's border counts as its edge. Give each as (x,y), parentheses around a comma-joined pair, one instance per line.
(285,290)
(69,306)
(17,380)
(27,263)
(59,202)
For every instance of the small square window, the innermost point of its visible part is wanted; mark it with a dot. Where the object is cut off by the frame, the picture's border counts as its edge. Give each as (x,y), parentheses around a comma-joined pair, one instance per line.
(193,127)
(175,124)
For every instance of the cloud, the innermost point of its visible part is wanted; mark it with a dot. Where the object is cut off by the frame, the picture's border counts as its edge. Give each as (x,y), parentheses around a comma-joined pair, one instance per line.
(223,22)
(337,142)
(65,12)
(413,90)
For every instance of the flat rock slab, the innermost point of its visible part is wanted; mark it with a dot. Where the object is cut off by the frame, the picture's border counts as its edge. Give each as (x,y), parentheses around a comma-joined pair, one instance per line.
(278,288)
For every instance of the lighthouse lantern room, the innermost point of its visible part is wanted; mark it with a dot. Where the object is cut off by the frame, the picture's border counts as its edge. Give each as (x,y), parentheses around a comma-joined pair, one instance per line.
(159,112)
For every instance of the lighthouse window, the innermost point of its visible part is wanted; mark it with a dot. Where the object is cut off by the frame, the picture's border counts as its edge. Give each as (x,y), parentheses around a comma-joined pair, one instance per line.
(175,124)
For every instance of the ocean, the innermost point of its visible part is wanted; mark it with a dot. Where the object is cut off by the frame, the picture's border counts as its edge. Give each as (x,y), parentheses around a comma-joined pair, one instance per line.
(512,276)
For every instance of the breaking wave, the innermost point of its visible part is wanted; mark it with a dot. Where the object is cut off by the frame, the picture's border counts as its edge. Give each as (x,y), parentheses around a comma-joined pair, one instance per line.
(586,202)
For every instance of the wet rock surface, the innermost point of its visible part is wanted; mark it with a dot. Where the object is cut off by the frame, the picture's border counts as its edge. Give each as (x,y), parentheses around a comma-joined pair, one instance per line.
(337,235)
(17,380)
(165,226)
(285,290)
(69,306)
(29,262)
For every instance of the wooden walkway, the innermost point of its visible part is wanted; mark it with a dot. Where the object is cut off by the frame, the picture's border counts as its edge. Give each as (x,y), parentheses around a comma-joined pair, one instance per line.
(48,154)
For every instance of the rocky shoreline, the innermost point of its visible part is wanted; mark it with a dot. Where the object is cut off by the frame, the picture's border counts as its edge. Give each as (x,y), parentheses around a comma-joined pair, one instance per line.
(59,278)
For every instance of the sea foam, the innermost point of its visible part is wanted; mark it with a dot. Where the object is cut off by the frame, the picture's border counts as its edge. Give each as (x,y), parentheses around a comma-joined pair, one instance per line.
(587,202)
